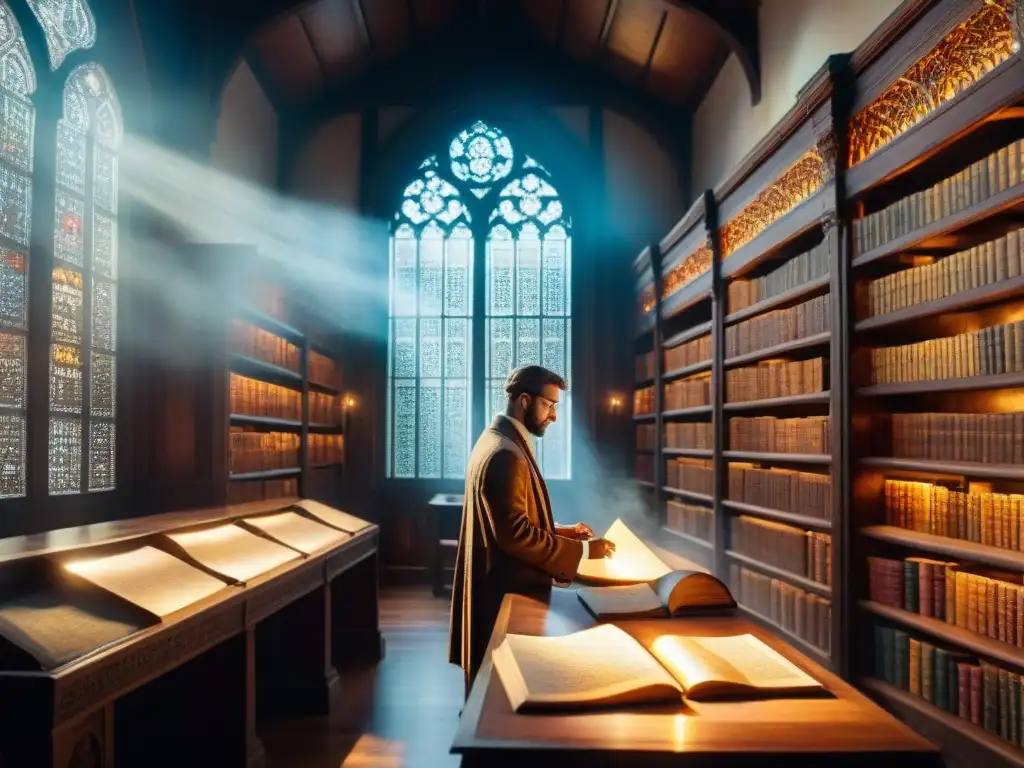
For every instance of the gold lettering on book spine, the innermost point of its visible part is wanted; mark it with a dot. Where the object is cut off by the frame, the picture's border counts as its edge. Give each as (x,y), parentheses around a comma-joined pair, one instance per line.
(961,59)
(800,181)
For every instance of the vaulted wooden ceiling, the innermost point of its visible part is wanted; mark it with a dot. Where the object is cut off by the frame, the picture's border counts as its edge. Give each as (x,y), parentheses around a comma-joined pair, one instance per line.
(666,49)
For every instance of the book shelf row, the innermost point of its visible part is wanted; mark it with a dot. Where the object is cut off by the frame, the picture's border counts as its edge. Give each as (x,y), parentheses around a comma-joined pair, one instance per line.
(857,289)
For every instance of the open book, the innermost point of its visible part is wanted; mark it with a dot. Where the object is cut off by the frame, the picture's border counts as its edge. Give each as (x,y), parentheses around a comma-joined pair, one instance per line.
(604,666)
(674,594)
(632,563)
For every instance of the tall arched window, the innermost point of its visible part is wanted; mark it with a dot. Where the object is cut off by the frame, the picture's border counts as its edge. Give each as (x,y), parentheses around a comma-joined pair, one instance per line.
(17,123)
(68,25)
(511,225)
(84,332)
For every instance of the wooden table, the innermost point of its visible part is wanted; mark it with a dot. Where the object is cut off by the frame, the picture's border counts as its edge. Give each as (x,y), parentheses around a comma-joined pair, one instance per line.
(845,729)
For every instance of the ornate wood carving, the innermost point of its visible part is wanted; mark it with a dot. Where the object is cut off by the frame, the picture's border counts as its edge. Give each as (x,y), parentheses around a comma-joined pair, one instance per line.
(688,270)
(796,184)
(280,593)
(123,670)
(828,221)
(828,149)
(87,753)
(961,59)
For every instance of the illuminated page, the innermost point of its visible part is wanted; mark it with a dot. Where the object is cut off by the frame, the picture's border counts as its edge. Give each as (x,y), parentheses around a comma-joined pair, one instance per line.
(633,562)
(597,666)
(335,518)
(149,578)
(297,532)
(233,551)
(738,664)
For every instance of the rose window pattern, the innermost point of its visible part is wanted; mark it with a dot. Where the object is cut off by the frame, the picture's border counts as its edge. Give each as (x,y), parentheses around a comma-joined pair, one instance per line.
(481,155)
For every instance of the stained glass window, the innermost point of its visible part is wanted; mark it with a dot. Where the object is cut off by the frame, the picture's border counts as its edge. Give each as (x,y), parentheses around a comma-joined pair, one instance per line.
(83,384)
(68,25)
(449,222)
(17,128)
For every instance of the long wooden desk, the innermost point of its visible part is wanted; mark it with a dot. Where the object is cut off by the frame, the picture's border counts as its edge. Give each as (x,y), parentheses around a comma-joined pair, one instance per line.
(190,686)
(845,729)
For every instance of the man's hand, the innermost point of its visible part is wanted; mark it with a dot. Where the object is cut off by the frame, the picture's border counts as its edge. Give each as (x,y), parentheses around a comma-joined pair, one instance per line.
(577,531)
(601,548)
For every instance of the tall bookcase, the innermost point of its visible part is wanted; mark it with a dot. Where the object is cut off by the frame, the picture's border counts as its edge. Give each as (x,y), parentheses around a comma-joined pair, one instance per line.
(275,409)
(858,284)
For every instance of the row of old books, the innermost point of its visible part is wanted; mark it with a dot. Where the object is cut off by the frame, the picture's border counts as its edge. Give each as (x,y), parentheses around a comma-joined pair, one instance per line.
(985,352)
(804,553)
(690,519)
(645,437)
(980,181)
(802,493)
(270,299)
(324,371)
(778,327)
(992,519)
(262,345)
(645,366)
(250,451)
(794,273)
(258,490)
(768,434)
(988,607)
(699,435)
(955,682)
(326,449)
(251,397)
(688,353)
(688,393)
(694,475)
(644,468)
(985,264)
(776,378)
(996,438)
(324,409)
(806,615)
(643,401)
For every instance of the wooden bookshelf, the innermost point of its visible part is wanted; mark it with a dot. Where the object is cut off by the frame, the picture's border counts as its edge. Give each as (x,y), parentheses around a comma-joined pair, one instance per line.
(906,215)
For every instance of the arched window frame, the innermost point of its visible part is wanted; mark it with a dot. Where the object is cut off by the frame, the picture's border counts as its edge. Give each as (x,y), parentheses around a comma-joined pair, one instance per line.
(56,55)
(490,193)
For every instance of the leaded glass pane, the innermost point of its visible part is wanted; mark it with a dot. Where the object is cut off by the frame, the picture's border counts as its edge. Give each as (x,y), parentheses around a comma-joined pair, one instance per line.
(103,385)
(456,348)
(528,272)
(499,336)
(68,24)
(555,447)
(104,180)
(12,370)
(104,315)
(13,287)
(458,288)
(555,273)
(65,455)
(481,154)
(405,429)
(67,306)
(104,245)
(554,357)
(71,157)
(431,266)
(500,265)
(404,347)
(12,455)
(65,379)
(102,450)
(69,222)
(527,342)
(430,348)
(430,420)
(403,298)
(15,205)
(17,129)
(456,427)
(16,72)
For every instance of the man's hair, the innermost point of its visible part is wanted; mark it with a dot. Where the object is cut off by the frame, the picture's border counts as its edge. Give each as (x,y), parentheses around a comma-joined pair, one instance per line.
(531,379)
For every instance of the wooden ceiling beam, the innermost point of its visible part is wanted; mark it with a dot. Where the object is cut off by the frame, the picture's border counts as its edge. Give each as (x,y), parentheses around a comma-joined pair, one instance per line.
(739,28)
(654,47)
(606,25)
(254,61)
(364,28)
(317,53)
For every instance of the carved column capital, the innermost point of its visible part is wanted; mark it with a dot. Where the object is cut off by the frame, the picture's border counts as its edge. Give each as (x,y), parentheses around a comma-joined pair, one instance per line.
(828,221)
(828,150)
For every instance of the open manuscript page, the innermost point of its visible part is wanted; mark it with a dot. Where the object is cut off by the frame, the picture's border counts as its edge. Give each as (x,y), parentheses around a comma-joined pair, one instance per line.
(632,563)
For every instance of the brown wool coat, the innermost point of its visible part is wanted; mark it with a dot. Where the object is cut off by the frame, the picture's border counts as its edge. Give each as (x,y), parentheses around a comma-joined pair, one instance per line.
(507,542)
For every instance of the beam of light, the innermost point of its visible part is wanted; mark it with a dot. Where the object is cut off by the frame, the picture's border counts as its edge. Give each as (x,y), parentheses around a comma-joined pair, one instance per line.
(336,259)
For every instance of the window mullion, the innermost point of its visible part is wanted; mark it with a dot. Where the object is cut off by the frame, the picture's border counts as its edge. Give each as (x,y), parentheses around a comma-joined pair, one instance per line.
(478,378)
(88,221)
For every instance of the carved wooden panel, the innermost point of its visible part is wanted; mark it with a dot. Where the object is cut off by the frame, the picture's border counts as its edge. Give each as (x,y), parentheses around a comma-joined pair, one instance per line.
(270,598)
(685,272)
(82,744)
(121,671)
(959,61)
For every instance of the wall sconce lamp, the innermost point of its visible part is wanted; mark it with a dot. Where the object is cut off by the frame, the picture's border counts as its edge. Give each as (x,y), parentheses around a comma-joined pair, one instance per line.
(615,403)
(348,402)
